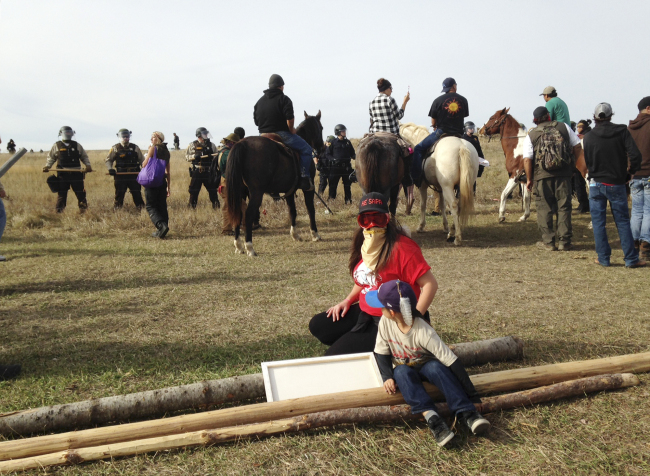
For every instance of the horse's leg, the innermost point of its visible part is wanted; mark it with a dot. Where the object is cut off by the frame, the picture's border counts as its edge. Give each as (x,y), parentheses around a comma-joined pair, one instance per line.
(526,203)
(510,186)
(311,210)
(394,195)
(291,203)
(424,190)
(251,213)
(410,198)
(239,243)
(449,196)
(443,212)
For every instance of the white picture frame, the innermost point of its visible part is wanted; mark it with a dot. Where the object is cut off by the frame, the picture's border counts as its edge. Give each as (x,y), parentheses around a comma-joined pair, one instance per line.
(286,379)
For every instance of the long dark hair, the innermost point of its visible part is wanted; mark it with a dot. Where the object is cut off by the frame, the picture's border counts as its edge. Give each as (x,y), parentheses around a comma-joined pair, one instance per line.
(393,230)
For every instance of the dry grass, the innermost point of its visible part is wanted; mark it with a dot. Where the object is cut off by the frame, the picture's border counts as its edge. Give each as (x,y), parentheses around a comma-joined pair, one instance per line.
(91,306)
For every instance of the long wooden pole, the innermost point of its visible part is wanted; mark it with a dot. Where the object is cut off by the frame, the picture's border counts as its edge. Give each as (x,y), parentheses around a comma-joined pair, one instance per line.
(495,382)
(155,403)
(558,391)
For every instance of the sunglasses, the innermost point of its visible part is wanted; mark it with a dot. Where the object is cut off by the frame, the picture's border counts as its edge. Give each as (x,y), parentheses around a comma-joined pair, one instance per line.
(373,219)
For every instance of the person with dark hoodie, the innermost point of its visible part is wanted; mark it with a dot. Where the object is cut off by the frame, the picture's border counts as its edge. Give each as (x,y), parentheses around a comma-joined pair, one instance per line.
(274,113)
(640,185)
(577,181)
(608,147)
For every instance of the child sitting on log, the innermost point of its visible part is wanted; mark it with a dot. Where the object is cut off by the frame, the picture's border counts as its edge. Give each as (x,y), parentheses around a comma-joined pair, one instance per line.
(417,353)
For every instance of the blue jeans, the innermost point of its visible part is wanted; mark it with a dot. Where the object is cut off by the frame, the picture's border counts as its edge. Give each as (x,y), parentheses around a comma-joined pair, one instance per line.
(640,221)
(3,218)
(409,382)
(599,194)
(298,143)
(420,150)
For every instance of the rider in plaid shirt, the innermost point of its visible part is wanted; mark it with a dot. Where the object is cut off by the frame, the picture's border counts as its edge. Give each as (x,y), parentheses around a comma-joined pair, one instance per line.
(384,113)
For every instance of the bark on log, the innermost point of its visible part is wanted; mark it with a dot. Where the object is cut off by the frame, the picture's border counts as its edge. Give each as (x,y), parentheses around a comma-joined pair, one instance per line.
(156,403)
(572,388)
(503,381)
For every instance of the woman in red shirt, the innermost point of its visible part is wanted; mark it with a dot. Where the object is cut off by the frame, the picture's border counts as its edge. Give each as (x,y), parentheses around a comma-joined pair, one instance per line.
(381,251)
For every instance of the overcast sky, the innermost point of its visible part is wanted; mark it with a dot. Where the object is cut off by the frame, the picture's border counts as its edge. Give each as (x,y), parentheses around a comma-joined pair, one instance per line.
(173,66)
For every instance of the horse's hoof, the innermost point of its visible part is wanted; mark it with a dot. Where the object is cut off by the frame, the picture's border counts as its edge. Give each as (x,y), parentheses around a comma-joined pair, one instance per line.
(451,239)
(315,236)
(522,218)
(294,234)
(420,229)
(239,248)
(249,249)
(502,219)
(456,242)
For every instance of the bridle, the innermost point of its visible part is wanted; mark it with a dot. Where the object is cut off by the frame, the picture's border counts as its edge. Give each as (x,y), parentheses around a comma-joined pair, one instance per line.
(497,123)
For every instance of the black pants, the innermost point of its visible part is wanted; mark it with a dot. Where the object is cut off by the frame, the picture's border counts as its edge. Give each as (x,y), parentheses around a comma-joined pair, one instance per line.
(322,185)
(203,179)
(338,334)
(156,198)
(130,183)
(341,172)
(580,189)
(68,180)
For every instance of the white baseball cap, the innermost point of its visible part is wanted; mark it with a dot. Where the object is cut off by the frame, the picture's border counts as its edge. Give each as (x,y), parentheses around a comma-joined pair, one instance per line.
(603,111)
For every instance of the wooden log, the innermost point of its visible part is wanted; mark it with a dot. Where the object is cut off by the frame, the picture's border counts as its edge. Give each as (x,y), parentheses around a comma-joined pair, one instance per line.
(156,403)
(495,382)
(572,388)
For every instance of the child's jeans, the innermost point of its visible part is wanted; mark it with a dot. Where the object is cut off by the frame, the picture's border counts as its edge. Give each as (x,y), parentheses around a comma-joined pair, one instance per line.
(409,381)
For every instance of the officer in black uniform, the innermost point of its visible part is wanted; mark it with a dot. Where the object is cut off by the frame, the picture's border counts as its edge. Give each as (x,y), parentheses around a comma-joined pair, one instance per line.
(127,158)
(323,167)
(201,153)
(69,154)
(470,136)
(339,155)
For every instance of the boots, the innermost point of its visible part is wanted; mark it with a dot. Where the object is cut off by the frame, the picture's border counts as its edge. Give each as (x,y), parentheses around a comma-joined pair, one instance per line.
(644,250)
(306,184)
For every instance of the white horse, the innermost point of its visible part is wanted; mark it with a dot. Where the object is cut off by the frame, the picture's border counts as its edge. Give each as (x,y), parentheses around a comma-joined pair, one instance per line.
(454,162)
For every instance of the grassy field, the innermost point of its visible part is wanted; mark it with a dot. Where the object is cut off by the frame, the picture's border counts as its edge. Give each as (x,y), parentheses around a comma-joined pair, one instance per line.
(92,306)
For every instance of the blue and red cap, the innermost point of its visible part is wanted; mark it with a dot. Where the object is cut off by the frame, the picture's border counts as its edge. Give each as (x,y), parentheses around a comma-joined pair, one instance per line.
(389,294)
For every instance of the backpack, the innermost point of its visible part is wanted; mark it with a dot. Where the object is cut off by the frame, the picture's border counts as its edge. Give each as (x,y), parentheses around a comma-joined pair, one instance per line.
(163,151)
(215,172)
(551,150)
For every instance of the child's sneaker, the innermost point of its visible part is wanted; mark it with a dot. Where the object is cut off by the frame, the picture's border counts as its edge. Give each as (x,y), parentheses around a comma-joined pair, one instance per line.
(476,422)
(440,430)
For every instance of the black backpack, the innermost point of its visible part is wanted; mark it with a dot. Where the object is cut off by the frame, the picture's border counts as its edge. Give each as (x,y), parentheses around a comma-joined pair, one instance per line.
(551,150)
(162,152)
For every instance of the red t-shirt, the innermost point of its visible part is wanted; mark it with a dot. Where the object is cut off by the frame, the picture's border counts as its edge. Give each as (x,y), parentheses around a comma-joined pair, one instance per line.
(406,264)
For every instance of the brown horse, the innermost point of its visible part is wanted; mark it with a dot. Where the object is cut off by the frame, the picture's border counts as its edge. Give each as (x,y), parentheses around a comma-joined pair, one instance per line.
(512,142)
(263,166)
(380,167)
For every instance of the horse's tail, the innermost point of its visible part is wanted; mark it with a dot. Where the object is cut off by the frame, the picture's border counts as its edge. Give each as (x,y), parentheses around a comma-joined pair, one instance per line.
(234,181)
(466,185)
(374,155)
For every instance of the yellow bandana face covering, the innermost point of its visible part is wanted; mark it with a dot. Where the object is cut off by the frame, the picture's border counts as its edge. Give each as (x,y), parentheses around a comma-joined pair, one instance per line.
(373,241)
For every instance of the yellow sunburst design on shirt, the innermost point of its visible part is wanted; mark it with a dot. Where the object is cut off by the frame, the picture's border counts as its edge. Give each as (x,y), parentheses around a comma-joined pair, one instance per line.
(453,107)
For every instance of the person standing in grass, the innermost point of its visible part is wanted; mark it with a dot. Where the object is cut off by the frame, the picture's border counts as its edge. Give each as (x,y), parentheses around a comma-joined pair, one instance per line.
(156,197)
(228,142)
(381,251)
(609,148)
(127,157)
(3,216)
(408,351)
(640,185)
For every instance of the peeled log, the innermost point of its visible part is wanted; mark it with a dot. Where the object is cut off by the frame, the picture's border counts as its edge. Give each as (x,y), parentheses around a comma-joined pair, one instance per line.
(572,388)
(503,381)
(156,403)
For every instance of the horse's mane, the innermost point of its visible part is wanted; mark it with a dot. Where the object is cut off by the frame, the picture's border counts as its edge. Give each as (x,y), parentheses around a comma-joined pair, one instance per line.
(413,133)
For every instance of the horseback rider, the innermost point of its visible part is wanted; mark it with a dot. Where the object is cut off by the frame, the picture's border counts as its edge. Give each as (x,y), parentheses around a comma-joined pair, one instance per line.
(447,113)
(201,153)
(338,156)
(127,157)
(273,113)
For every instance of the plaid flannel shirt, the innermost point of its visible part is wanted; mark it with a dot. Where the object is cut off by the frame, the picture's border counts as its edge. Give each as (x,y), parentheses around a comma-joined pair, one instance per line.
(384,114)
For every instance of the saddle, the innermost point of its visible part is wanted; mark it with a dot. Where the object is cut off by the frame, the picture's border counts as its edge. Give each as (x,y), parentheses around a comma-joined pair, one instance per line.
(404,146)
(284,147)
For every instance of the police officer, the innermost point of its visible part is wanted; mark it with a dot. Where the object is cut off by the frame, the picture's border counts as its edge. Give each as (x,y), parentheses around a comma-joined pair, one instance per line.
(470,136)
(69,154)
(323,167)
(338,156)
(201,153)
(177,142)
(127,158)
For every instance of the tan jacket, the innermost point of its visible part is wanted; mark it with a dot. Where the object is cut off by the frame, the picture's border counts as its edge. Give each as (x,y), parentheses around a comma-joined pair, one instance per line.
(53,155)
(110,159)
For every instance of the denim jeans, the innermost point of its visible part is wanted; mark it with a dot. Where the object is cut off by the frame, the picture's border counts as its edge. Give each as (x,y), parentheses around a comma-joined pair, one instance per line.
(599,194)
(3,218)
(409,382)
(640,221)
(298,143)
(420,150)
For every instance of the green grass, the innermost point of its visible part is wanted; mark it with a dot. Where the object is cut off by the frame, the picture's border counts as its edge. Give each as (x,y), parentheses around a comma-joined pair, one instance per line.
(92,306)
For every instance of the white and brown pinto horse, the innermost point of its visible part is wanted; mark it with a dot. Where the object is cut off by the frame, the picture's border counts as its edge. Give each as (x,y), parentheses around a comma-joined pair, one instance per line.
(512,142)
(454,162)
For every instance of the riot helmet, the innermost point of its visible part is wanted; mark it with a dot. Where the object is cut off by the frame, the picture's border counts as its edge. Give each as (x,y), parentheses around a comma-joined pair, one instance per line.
(66,133)
(469,127)
(338,129)
(203,133)
(124,135)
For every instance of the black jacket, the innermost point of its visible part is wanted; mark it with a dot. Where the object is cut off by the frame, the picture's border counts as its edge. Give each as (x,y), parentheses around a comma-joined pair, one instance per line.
(607,150)
(272,111)
(340,150)
(475,142)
